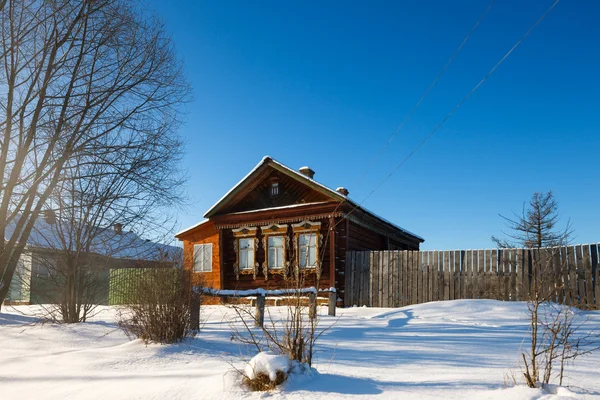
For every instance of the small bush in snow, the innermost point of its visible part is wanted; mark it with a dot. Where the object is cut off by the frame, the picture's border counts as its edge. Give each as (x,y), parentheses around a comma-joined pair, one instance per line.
(161,312)
(265,371)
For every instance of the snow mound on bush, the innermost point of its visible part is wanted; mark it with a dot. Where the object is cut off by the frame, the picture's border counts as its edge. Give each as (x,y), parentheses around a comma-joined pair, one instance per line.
(267,363)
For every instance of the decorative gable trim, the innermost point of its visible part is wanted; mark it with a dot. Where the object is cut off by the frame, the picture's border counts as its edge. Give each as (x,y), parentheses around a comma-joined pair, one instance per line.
(306,225)
(269,162)
(245,231)
(282,220)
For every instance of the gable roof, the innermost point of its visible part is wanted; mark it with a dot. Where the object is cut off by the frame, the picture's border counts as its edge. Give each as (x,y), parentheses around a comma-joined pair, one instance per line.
(267,162)
(270,162)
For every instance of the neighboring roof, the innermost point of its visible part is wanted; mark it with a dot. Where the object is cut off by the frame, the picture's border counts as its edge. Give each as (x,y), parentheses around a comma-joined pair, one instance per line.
(268,161)
(127,245)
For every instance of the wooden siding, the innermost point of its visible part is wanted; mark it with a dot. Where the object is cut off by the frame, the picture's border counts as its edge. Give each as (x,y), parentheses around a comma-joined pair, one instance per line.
(257,195)
(362,239)
(204,234)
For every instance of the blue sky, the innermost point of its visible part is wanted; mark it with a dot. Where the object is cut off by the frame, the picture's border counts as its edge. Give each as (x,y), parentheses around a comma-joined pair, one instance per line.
(325,84)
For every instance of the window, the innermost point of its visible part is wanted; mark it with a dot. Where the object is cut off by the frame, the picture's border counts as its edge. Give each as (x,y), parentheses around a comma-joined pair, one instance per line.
(307,243)
(274,189)
(245,249)
(246,253)
(203,257)
(275,252)
(308,240)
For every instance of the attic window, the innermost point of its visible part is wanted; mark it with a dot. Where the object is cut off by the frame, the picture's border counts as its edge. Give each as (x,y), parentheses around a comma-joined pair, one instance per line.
(274,189)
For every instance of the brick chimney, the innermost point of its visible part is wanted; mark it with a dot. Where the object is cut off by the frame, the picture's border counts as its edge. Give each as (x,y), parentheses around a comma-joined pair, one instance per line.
(309,173)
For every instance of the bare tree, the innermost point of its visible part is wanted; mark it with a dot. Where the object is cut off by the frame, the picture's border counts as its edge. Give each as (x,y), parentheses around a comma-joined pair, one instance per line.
(82,81)
(536,226)
(85,236)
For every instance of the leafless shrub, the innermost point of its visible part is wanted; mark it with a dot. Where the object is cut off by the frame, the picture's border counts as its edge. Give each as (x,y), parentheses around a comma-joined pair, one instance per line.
(162,309)
(261,382)
(557,331)
(294,335)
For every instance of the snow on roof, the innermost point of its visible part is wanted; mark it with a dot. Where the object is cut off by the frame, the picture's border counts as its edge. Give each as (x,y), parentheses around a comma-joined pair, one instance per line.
(192,227)
(299,175)
(391,223)
(342,197)
(264,159)
(106,242)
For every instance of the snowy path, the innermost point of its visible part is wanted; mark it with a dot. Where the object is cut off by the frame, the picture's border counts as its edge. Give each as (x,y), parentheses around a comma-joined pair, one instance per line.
(459,349)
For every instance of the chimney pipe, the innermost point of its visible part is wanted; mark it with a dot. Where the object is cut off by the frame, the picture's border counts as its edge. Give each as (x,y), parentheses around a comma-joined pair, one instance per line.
(49,216)
(343,191)
(309,173)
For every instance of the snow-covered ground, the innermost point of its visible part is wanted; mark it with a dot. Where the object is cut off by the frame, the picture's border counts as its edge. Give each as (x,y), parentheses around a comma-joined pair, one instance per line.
(457,349)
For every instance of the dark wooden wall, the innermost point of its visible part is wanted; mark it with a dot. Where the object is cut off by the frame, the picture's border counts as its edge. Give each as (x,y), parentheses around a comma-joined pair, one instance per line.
(274,281)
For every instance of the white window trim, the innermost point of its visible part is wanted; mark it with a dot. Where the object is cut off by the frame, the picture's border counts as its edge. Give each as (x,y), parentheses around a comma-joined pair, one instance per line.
(201,262)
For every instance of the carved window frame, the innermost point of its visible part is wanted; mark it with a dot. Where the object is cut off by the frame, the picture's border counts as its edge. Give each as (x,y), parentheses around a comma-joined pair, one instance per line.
(245,232)
(308,227)
(271,231)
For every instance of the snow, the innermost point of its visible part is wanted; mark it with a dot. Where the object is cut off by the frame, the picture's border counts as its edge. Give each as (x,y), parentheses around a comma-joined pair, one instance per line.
(265,292)
(267,363)
(192,227)
(461,349)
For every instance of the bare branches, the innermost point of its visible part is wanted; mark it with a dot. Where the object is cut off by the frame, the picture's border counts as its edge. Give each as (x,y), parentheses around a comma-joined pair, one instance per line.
(294,335)
(161,309)
(558,333)
(88,84)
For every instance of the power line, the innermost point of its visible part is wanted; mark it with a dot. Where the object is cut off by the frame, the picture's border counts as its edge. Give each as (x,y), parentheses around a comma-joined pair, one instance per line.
(431,86)
(438,126)
(424,95)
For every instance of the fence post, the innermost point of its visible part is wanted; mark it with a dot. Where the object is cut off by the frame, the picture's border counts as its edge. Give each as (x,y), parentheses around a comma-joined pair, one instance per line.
(259,317)
(312,305)
(332,302)
(195,311)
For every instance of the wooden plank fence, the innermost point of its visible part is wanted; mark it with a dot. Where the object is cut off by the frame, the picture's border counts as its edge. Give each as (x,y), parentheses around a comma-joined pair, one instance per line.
(569,274)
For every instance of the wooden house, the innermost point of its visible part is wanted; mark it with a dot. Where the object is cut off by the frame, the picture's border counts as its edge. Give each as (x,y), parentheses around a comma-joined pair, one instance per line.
(278,222)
